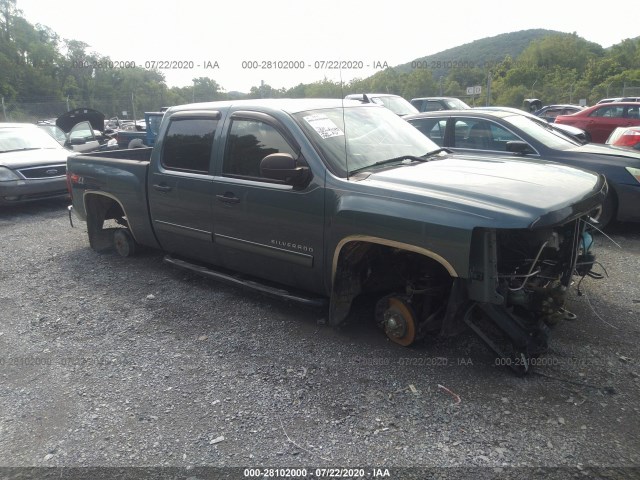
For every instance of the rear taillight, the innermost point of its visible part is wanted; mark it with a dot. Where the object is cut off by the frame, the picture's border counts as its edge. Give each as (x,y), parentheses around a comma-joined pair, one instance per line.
(629,139)
(71,179)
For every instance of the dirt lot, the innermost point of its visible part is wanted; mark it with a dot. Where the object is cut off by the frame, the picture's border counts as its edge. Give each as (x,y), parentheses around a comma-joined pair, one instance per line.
(112,362)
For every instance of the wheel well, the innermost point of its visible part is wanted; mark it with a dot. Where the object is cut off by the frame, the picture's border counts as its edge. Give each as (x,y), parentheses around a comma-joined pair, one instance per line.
(100,208)
(369,267)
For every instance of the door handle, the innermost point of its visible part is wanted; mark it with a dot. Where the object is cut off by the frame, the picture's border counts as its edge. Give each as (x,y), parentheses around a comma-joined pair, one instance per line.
(228,197)
(162,188)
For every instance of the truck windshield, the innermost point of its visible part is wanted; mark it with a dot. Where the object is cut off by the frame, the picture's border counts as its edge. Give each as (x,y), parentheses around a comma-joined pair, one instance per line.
(353,138)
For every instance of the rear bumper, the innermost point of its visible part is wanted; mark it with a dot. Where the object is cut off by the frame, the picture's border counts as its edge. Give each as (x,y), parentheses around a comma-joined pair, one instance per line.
(22,191)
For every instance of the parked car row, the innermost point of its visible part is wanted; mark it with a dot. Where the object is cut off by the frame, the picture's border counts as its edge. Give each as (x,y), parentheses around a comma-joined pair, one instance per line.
(550,112)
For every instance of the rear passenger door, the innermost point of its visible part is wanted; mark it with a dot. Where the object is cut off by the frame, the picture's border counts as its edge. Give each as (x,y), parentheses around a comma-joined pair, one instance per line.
(603,121)
(180,185)
(267,229)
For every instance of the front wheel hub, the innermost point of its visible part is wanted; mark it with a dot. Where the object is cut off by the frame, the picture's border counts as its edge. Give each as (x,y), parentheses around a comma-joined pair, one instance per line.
(398,320)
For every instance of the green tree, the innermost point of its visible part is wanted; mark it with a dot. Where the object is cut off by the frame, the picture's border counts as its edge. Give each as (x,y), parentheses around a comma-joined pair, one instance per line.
(419,83)
(205,89)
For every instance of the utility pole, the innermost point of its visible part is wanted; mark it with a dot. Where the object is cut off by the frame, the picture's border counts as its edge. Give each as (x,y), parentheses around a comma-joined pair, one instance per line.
(133,108)
(68,103)
(4,110)
(488,102)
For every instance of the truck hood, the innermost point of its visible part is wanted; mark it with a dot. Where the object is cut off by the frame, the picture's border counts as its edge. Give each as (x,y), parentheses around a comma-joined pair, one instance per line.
(34,158)
(68,120)
(496,188)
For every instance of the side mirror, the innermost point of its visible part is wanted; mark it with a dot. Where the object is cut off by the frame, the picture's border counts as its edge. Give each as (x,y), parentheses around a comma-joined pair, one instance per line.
(77,141)
(519,147)
(283,168)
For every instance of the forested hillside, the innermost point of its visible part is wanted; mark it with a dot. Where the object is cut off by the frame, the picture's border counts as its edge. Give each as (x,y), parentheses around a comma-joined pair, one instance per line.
(490,50)
(43,75)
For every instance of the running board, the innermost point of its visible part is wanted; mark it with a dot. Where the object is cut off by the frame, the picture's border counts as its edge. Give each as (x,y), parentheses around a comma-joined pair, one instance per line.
(241,281)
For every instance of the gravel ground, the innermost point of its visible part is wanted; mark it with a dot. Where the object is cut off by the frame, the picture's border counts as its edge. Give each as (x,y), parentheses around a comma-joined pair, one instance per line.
(113,362)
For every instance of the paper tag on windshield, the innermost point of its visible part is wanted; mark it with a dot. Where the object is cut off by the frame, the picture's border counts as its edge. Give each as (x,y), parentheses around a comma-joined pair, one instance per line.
(324,126)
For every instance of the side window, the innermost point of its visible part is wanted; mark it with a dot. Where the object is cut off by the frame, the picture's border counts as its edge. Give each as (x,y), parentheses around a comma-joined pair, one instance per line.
(460,133)
(187,144)
(432,106)
(554,112)
(82,130)
(249,142)
(633,112)
(480,134)
(154,123)
(432,128)
(501,135)
(607,112)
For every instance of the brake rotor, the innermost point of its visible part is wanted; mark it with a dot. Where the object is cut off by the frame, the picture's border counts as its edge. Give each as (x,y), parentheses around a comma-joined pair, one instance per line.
(399,322)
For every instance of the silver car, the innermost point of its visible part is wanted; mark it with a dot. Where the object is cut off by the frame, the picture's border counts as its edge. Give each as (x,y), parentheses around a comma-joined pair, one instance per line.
(33,165)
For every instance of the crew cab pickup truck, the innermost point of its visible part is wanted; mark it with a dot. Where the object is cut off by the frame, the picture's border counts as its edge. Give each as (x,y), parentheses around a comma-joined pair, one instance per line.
(319,201)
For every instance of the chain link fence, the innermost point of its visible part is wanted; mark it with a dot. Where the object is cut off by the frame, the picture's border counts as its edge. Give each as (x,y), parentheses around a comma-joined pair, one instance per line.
(630,91)
(31,111)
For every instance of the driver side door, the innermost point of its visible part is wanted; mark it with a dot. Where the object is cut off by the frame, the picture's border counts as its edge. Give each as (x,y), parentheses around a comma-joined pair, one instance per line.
(264,228)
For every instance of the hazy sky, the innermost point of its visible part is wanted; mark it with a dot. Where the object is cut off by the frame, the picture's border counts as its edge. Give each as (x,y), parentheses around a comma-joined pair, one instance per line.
(294,33)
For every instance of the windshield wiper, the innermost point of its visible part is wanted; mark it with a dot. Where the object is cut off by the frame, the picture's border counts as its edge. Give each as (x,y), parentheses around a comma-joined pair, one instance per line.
(439,150)
(401,158)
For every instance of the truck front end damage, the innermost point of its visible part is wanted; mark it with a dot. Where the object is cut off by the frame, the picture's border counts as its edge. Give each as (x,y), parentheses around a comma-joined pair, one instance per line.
(518,282)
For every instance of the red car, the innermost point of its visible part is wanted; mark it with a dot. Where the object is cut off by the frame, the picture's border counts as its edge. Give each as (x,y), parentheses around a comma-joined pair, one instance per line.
(600,120)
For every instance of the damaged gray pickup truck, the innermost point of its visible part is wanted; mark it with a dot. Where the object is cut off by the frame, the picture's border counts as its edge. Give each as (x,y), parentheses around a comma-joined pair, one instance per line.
(319,201)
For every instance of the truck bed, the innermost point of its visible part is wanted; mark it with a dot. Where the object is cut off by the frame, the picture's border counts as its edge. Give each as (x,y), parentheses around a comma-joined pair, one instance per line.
(116,174)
